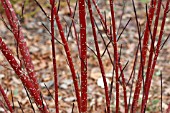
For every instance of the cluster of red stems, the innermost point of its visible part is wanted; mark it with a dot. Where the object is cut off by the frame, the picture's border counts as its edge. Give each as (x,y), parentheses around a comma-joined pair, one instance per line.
(29,79)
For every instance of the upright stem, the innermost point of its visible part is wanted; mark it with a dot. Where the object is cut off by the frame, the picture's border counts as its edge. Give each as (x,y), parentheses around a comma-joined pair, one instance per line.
(115,55)
(83,55)
(67,50)
(158,47)
(120,67)
(54,56)
(143,51)
(148,75)
(99,57)
(124,89)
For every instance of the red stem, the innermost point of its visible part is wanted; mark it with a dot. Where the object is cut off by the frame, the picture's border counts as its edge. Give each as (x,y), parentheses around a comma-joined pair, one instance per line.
(3,107)
(14,23)
(124,89)
(54,56)
(144,50)
(6,99)
(115,55)
(101,16)
(99,58)
(83,55)
(148,75)
(158,47)
(168,109)
(68,57)
(107,31)
(25,79)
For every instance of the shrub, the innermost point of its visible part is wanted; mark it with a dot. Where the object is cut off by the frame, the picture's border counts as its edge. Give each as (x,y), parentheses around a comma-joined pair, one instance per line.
(144,60)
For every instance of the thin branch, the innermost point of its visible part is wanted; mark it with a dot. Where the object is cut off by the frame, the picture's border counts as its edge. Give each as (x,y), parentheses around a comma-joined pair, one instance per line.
(20,106)
(42,9)
(49,91)
(164,42)
(29,99)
